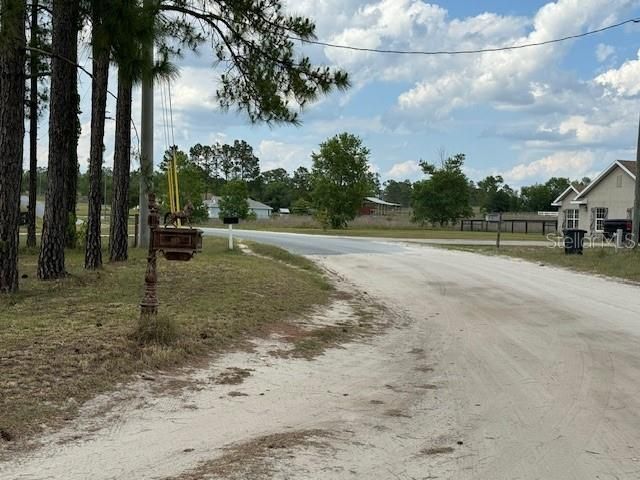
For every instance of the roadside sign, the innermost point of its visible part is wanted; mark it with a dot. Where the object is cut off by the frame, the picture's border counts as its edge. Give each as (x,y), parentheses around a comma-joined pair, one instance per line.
(230,220)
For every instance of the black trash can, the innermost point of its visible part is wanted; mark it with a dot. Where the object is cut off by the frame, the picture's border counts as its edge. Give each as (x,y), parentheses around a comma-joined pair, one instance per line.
(573,240)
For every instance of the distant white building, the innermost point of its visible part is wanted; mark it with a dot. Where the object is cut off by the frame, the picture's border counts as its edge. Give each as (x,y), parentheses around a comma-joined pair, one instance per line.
(261,210)
(609,196)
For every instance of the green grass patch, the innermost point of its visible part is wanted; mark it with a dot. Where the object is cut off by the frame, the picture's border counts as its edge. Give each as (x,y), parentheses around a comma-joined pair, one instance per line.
(62,342)
(623,263)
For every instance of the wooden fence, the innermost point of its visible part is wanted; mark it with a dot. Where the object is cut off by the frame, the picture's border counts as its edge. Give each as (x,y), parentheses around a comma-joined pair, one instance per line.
(132,226)
(514,226)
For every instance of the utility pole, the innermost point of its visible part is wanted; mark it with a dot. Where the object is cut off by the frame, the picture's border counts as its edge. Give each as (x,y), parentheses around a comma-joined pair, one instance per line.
(146,142)
(636,201)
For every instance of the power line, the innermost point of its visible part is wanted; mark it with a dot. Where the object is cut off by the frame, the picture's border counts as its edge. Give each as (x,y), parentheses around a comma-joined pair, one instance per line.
(466,52)
(88,73)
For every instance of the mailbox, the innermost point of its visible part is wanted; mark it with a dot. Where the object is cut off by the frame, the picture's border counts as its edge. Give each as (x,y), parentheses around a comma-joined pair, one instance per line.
(177,243)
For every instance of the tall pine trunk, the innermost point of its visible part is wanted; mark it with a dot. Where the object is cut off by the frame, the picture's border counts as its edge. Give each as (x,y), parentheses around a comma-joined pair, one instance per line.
(118,234)
(71,196)
(12,90)
(62,135)
(33,128)
(93,252)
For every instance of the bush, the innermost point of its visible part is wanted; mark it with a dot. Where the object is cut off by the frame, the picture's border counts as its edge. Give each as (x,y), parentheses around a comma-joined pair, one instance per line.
(81,235)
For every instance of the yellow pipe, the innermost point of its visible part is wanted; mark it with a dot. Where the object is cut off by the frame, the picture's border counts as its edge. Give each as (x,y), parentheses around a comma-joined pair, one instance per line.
(176,189)
(170,187)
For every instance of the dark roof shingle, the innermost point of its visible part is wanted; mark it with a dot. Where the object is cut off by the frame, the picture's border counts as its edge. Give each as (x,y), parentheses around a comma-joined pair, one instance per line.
(629,165)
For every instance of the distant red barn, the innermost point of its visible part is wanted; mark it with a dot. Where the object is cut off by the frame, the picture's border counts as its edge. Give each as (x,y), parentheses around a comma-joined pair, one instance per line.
(376,206)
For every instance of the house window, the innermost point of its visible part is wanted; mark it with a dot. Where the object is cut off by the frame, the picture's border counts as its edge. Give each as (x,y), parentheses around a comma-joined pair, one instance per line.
(601,214)
(572,218)
(619,181)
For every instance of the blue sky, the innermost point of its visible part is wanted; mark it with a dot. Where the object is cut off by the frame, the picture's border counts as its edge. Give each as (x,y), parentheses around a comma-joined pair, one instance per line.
(565,110)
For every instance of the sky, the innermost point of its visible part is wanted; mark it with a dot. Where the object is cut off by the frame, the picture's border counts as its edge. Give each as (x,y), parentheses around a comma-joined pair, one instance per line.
(567,109)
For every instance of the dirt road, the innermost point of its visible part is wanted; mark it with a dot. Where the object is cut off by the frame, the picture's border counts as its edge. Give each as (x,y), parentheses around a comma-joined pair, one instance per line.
(491,369)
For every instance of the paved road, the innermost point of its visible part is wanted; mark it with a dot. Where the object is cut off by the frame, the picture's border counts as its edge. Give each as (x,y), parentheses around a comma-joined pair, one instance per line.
(493,369)
(307,244)
(302,244)
(24,203)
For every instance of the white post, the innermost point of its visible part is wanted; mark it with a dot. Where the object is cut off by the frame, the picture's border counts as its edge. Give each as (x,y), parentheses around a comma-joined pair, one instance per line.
(230,237)
(619,236)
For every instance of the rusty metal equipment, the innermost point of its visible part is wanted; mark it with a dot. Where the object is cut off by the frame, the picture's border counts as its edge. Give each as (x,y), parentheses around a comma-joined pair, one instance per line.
(177,243)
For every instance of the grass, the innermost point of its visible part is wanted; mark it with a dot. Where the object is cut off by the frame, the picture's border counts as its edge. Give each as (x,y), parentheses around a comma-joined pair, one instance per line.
(65,341)
(624,263)
(256,459)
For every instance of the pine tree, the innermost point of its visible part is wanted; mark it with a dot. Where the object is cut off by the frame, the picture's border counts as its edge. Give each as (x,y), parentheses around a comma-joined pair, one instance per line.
(12,89)
(100,46)
(62,136)
(133,26)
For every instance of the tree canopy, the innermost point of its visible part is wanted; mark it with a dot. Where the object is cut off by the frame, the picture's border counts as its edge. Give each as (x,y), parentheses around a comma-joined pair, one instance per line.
(254,46)
(444,196)
(398,192)
(538,197)
(340,179)
(233,202)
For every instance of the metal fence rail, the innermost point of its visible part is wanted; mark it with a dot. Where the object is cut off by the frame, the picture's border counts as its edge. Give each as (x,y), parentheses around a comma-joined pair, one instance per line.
(514,226)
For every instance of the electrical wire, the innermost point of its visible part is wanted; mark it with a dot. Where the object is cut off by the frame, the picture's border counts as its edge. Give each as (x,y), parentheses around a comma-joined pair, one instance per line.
(466,52)
(173,138)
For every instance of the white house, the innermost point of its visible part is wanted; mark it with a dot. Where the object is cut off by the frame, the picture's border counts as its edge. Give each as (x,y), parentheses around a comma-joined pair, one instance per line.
(260,209)
(609,195)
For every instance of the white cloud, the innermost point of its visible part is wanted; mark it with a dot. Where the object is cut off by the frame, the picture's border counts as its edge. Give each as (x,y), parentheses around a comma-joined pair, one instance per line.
(194,89)
(623,81)
(604,51)
(400,171)
(569,164)
(586,132)
(509,77)
(274,154)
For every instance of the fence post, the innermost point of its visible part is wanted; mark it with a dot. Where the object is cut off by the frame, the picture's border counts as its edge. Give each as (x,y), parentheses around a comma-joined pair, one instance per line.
(136,221)
(462,225)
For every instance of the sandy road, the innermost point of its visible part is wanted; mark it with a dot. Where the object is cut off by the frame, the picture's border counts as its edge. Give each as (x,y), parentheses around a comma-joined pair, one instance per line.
(542,365)
(492,369)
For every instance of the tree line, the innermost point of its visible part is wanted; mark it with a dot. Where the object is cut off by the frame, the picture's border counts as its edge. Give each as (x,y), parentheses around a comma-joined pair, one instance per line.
(207,170)
(260,74)
(333,189)
(448,195)
(341,176)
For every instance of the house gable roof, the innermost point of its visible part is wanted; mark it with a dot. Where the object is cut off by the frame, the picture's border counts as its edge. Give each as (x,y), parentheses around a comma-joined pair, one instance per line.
(253,204)
(571,188)
(627,166)
(379,201)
